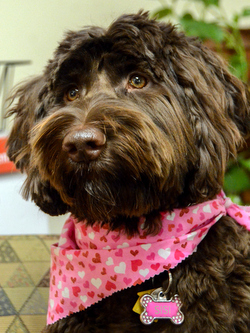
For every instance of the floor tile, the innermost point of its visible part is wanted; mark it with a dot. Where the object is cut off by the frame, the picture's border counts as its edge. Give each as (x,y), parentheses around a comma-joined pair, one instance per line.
(17,326)
(5,322)
(18,296)
(7,271)
(7,254)
(34,323)
(31,250)
(19,278)
(37,269)
(24,282)
(44,282)
(6,307)
(36,304)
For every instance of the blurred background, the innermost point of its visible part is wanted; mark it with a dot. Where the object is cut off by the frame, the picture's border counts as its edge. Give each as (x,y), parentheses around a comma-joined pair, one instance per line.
(29,33)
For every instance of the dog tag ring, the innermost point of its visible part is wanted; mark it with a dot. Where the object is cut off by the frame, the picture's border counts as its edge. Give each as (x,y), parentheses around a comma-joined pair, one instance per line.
(157,306)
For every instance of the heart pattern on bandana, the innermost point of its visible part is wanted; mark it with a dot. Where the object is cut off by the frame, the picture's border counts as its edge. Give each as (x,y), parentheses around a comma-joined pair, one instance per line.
(89,264)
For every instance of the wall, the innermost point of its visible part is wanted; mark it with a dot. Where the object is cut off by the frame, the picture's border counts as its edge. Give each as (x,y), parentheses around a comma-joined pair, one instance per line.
(30,30)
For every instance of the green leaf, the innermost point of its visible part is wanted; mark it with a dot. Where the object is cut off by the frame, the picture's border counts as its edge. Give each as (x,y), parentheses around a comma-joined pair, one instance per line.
(245,163)
(238,67)
(235,198)
(202,29)
(245,12)
(159,14)
(208,3)
(236,18)
(188,17)
(230,40)
(236,180)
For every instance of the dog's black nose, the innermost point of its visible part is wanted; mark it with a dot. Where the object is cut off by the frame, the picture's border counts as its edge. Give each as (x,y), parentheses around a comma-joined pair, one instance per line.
(84,144)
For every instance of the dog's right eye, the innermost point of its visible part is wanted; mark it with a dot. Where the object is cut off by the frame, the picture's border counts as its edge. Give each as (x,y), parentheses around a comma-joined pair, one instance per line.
(137,81)
(72,94)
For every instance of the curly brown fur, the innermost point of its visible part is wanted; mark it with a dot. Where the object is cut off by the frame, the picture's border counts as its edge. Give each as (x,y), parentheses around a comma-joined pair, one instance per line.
(166,146)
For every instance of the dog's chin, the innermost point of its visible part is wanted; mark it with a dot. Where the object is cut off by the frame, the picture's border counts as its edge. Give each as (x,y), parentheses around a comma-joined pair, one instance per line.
(104,198)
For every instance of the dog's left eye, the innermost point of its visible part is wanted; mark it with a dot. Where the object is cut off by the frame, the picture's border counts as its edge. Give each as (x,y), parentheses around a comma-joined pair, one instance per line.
(137,81)
(72,94)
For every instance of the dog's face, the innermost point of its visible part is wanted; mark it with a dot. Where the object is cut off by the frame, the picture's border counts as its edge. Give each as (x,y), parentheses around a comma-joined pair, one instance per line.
(128,121)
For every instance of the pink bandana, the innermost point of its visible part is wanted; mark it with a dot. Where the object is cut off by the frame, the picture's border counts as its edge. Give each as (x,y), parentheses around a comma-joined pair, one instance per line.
(89,264)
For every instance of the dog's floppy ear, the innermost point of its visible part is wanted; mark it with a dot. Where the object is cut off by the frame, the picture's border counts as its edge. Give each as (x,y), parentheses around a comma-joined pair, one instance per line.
(26,95)
(234,95)
(27,108)
(209,89)
(34,98)
(215,103)
(43,194)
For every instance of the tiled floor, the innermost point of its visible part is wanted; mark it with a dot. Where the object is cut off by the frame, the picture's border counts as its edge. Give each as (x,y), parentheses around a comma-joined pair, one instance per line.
(24,282)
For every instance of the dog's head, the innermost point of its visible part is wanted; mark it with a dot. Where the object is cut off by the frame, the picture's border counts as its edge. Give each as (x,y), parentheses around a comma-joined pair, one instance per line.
(127,121)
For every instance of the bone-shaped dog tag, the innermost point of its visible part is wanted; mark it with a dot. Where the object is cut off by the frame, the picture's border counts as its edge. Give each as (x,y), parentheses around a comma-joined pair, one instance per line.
(157,306)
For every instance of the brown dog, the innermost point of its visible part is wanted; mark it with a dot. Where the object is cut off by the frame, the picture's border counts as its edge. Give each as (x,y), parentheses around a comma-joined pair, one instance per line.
(127,123)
